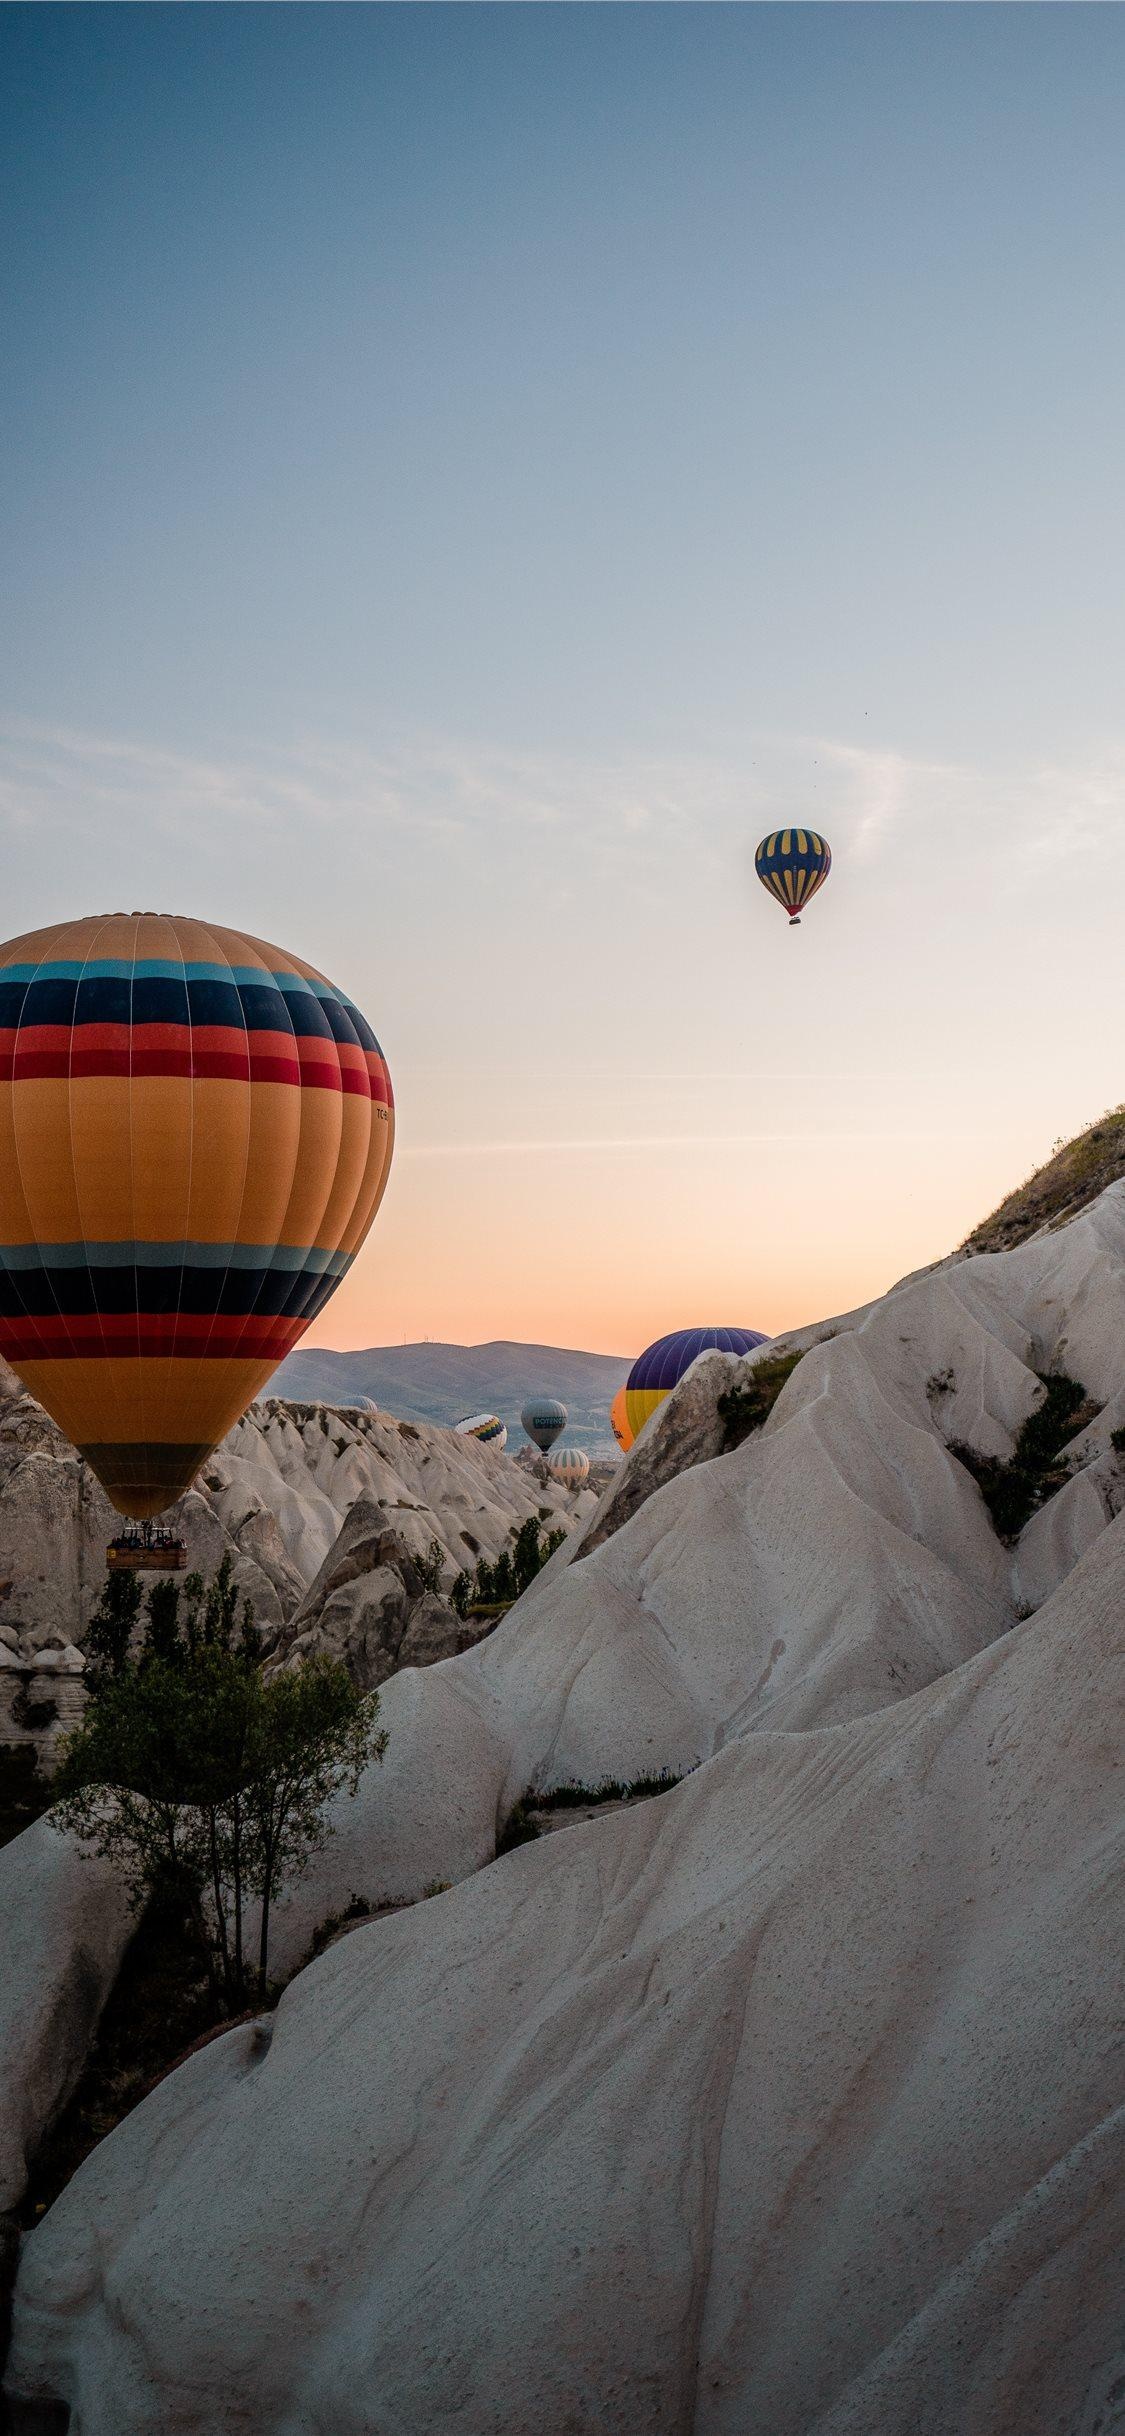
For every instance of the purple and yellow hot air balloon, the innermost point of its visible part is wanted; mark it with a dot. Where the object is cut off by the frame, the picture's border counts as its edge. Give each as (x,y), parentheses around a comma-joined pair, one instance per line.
(195,1136)
(658,1370)
(793,864)
(619,1421)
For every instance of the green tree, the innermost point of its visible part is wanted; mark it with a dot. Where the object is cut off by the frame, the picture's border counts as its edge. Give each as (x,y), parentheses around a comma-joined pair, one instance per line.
(163,1638)
(111,1625)
(525,1554)
(503,1579)
(310,1736)
(431,1566)
(190,1772)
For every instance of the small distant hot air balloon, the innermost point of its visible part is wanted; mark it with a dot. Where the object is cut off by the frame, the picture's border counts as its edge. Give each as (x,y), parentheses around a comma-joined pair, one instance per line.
(544,1419)
(793,864)
(487,1427)
(656,1372)
(619,1421)
(195,1134)
(570,1467)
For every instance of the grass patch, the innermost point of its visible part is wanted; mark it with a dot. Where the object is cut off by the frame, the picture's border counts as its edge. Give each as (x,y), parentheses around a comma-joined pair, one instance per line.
(522,1825)
(611,1789)
(1073,1176)
(743,1410)
(356,1908)
(519,1828)
(1014,1491)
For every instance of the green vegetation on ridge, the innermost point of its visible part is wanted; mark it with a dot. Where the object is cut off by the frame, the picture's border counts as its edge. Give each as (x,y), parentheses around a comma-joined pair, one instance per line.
(1073,1176)
(1013,1491)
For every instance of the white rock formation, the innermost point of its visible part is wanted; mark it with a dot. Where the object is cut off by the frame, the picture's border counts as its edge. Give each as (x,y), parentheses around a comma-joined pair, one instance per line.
(66,1924)
(274,1497)
(839,1559)
(793,2101)
(372,1607)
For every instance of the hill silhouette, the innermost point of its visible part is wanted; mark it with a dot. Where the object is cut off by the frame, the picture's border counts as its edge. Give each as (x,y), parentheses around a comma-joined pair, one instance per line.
(439,1382)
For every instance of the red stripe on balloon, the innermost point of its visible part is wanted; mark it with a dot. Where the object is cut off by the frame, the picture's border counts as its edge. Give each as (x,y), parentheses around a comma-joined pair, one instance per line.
(203,1065)
(125,1335)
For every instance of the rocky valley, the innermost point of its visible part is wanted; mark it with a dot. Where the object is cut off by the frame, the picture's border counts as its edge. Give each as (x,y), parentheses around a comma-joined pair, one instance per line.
(788,2098)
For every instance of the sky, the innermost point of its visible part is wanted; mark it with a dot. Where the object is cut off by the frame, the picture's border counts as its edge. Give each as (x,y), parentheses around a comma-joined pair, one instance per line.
(466,474)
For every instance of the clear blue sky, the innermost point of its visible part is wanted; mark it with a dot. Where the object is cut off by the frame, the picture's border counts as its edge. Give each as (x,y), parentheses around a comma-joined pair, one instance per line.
(467,472)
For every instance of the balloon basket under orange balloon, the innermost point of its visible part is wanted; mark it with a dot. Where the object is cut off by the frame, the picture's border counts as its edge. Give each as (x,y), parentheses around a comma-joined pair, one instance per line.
(145,1550)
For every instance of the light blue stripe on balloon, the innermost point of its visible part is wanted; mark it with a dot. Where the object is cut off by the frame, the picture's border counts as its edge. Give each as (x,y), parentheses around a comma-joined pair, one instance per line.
(126,1255)
(165,968)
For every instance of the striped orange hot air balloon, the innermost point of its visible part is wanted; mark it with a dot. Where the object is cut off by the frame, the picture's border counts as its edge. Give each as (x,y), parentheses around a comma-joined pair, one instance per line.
(195,1134)
(619,1421)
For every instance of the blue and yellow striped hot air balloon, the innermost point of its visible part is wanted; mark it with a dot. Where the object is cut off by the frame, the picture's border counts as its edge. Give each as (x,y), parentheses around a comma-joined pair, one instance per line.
(195,1133)
(661,1367)
(487,1427)
(793,864)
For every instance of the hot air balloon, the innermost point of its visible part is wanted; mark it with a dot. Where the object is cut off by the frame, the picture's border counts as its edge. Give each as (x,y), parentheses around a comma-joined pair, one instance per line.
(194,1140)
(569,1467)
(619,1421)
(655,1373)
(485,1426)
(544,1419)
(793,864)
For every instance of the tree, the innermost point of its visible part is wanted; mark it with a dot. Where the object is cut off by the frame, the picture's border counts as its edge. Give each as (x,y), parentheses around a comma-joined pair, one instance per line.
(189,1771)
(497,1585)
(503,1579)
(163,1639)
(310,1736)
(111,1625)
(431,1566)
(525,1554)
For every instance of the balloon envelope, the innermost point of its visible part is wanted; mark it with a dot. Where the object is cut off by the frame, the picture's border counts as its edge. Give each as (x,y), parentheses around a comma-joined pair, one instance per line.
(660,1368)
(793,864)
(619,1420)
(570,1467)
(194,1140)
(544,1419)
(487,1427)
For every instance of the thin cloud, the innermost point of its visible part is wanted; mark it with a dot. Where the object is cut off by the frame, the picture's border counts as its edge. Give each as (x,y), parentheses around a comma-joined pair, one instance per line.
(626,815)
(663,1141)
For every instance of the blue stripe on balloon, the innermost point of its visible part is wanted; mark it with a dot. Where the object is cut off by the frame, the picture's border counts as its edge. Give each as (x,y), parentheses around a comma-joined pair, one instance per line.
(150,1255)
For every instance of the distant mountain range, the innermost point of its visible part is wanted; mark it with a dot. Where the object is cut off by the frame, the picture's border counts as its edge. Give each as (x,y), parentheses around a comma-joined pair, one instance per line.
(440,1383)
